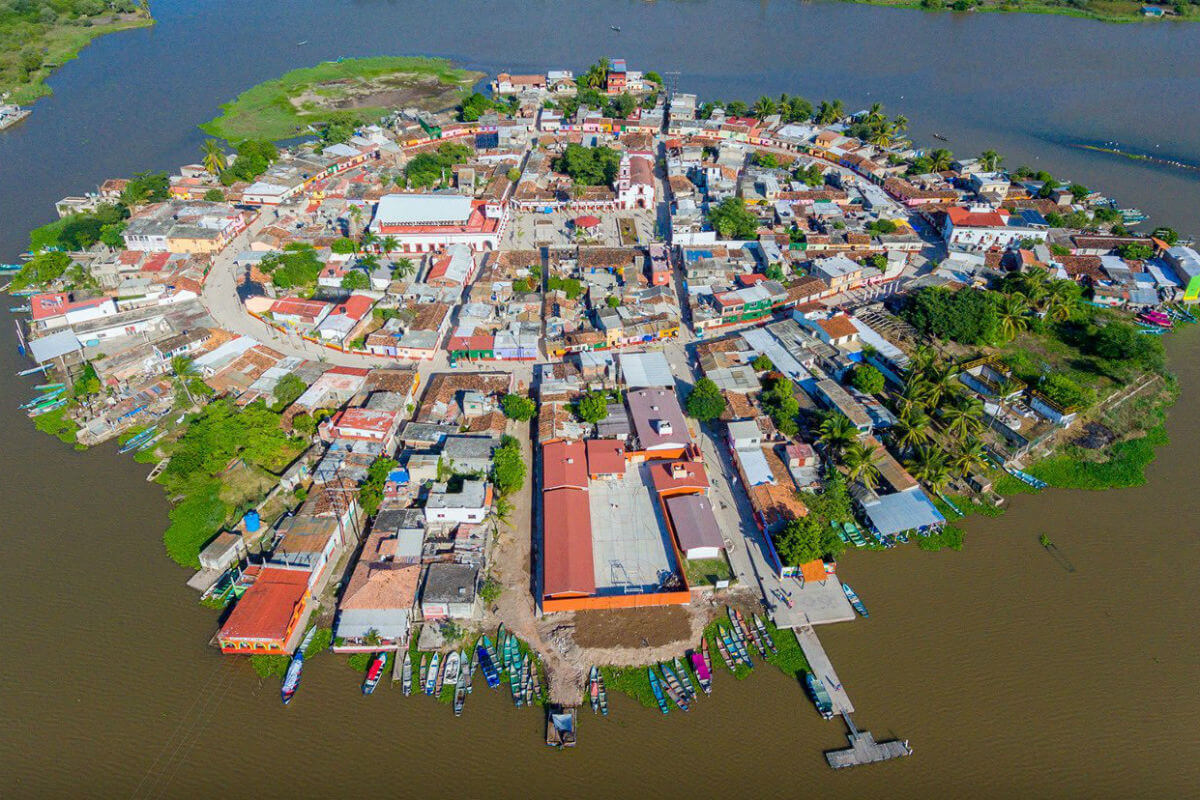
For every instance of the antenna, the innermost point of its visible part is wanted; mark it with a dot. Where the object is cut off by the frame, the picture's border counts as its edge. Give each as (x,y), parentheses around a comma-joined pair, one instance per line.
(671,82)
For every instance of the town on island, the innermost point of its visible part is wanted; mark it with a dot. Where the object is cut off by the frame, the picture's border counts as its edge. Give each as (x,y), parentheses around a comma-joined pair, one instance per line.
(584,384)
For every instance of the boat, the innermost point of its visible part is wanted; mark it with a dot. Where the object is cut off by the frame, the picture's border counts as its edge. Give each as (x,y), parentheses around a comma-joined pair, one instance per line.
(502,640)
(560,726)
(764,634)
(674,689)
(616,28)
(594,689)
(723,649)
(739,651)
(441,678)
(37,412)
(44,387)
(453,668)
(460,691)
(406,674)
(536,681)
(656,687)
(527,685)
(1156,318)
(432,673)
(19,309)
(472,664)
(603,695)
(291,679)
(685,678)
(491,653)
(703,674)
(487,664)
(854,601)
(940,138)
(514,683)
(820,695)
(758,637)
(705,654)
(138,439)
(374,672)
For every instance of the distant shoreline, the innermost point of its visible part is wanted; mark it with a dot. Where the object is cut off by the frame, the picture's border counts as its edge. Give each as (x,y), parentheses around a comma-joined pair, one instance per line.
(1133,15)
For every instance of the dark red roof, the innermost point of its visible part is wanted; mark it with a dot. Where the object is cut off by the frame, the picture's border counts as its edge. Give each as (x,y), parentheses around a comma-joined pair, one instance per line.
(605,457)
(567,564)
(693,476)
(564,463)
(587,221)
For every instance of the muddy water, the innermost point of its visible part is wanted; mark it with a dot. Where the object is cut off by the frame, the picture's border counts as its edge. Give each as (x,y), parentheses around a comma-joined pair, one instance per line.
(1010,676)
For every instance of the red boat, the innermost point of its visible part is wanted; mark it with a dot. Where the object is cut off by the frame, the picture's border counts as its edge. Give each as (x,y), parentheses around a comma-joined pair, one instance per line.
(374,672)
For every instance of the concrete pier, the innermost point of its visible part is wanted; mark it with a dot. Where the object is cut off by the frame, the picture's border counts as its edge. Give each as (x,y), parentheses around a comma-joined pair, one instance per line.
(822,668)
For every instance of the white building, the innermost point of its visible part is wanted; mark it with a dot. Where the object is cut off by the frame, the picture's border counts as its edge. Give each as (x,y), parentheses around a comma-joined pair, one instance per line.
(982,228)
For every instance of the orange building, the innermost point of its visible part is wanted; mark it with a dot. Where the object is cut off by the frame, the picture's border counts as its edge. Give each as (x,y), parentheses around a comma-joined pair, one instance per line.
(265,618)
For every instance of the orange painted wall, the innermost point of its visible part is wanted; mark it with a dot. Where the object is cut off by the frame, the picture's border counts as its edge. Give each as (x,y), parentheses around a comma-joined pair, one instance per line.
(616,601)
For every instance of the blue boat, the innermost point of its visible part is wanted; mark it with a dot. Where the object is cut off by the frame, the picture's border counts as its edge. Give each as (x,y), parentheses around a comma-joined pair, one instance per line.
(487,665)
(820,695)
(854,601)
(656,687)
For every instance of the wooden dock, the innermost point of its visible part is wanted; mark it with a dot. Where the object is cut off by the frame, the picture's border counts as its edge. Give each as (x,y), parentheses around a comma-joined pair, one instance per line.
(822,669)
(864,749)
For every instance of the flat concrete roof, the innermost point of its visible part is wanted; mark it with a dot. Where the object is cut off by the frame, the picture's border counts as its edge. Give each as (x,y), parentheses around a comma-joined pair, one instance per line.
(631,547)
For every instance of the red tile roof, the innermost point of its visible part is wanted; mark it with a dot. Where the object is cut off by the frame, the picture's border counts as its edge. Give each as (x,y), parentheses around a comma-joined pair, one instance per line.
(663,474)
(838,327)
(977,219)
(265,610)
(567,564)
(564,463)
(605,457)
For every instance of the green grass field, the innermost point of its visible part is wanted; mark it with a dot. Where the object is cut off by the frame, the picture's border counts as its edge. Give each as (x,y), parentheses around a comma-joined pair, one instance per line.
(267,111)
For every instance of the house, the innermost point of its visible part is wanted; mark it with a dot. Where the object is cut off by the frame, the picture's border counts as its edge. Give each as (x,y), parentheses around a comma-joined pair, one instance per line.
(379,598)
(470,505)
(658,420)
(564,465)
(695,526)
(981,228)
(1186,263)
(744,433)
(265,618)
(225,550)
(449,592)
(605,459)
(364,425)
(469,453)
(836,330)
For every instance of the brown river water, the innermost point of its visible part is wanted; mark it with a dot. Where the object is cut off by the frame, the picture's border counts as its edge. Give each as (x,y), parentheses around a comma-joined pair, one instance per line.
(1010,676)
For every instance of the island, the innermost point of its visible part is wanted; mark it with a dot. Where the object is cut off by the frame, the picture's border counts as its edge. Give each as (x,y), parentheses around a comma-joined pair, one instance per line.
(581,386)
(39,36)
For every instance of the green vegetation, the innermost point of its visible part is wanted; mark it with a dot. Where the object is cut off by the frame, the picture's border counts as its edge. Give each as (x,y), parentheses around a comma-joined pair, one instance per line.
(966,316)
(571,287)
(518,407)
(37,36)
(707,571)
(508,467)
(41,270)
(253,156)
(589,166)
(356,280)
(789,658)
(806,539)
(270,666)
(316,96)
(762,364)
(867,379)
(287,390)
(296,267)
(705,402)
(633,681)
(1102,10)
(57,424)
(490,591)
(731,220)
(199,469)
(370,493)
(779,401)
(434,169)
(81,231)
(592,407)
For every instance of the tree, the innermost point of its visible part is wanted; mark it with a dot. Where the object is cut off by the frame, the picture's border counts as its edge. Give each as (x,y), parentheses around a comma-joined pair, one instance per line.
(145,187)
(508,467)
(867,379)
(964,416)
(42,269)
(296,267)
(287,390)
(1166,234)
(612,301)
(214,196)
(344,246)
(967,316)
(433,168)
(969,456)
(402,268)
(801,540)
(928,465)
(705,402)
(215,160)
(940,159)
(1136,251)
(761,363)
(1013,313)
(779,399)
(911,428)
(185,372)
(1061,300)
(513,174)
(830,111)
(990,160)
(731,220)
(592,407)
(356,280)
(588,166)
(859,459)
(764,107)
(252,158)
(1079,192)
(836,432)
(389,244)
(339,127)
(875,115)
(736,108)
(518,407)
(370,492)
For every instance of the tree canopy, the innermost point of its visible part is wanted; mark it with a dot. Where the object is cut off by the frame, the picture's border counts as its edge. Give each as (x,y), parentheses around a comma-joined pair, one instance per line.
(508,467)
(518,407)
(705,401)
(589,166)
(731,220)
(592,407)
(296,267)
(966,316)
(253,158)
(430,169)
(867,379)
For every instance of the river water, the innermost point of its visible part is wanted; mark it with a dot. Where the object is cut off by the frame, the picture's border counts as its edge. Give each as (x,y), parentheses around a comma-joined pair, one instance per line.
(1010,676)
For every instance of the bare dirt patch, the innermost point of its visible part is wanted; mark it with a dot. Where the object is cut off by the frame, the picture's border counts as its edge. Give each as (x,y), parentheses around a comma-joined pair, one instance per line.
(405,90)
(633,627)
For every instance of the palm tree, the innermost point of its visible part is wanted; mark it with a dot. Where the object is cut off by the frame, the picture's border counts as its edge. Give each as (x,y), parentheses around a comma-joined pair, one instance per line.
(764,107)
(1061,300)
(367,239)
(185,372)
(990,160)
(859,459)
(369,262)
(928,465)
(963,417)
(1035,286)
(970,455)
(214,157)
(875,115)
(940,159)
(939,380)
(402,268)
(356,213)
(911,428)
(389,244)
(836,432)
(922,358)
(830,111)
(1013,313)
(882,136)
(900,123)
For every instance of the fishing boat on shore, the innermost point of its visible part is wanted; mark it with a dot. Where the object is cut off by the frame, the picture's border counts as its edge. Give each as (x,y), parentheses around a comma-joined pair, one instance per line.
(441,678)
(685,678)
(460,690)
(854,601)
(674,688)
(594,689)
(737,651)
(705,654)
(291,679)
(374,672)
(431,674)
(536,681)
(491,653)
(487,663)
(820,695)
(703,674)
(764,634)
(46,409)
(472,665)
(656,687)
(1156,318)
(527,687)
(453,668)
(759,643)
(603,695)
(723,649)
(514,683)
(406,674)
(137,440)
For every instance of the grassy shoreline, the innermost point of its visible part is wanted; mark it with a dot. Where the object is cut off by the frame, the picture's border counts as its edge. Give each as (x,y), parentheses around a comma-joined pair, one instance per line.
(1132,15)
(63,43)
(268,110)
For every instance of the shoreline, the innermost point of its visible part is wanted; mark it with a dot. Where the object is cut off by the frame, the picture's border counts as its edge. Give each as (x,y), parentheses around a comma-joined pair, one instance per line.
(1030,8)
